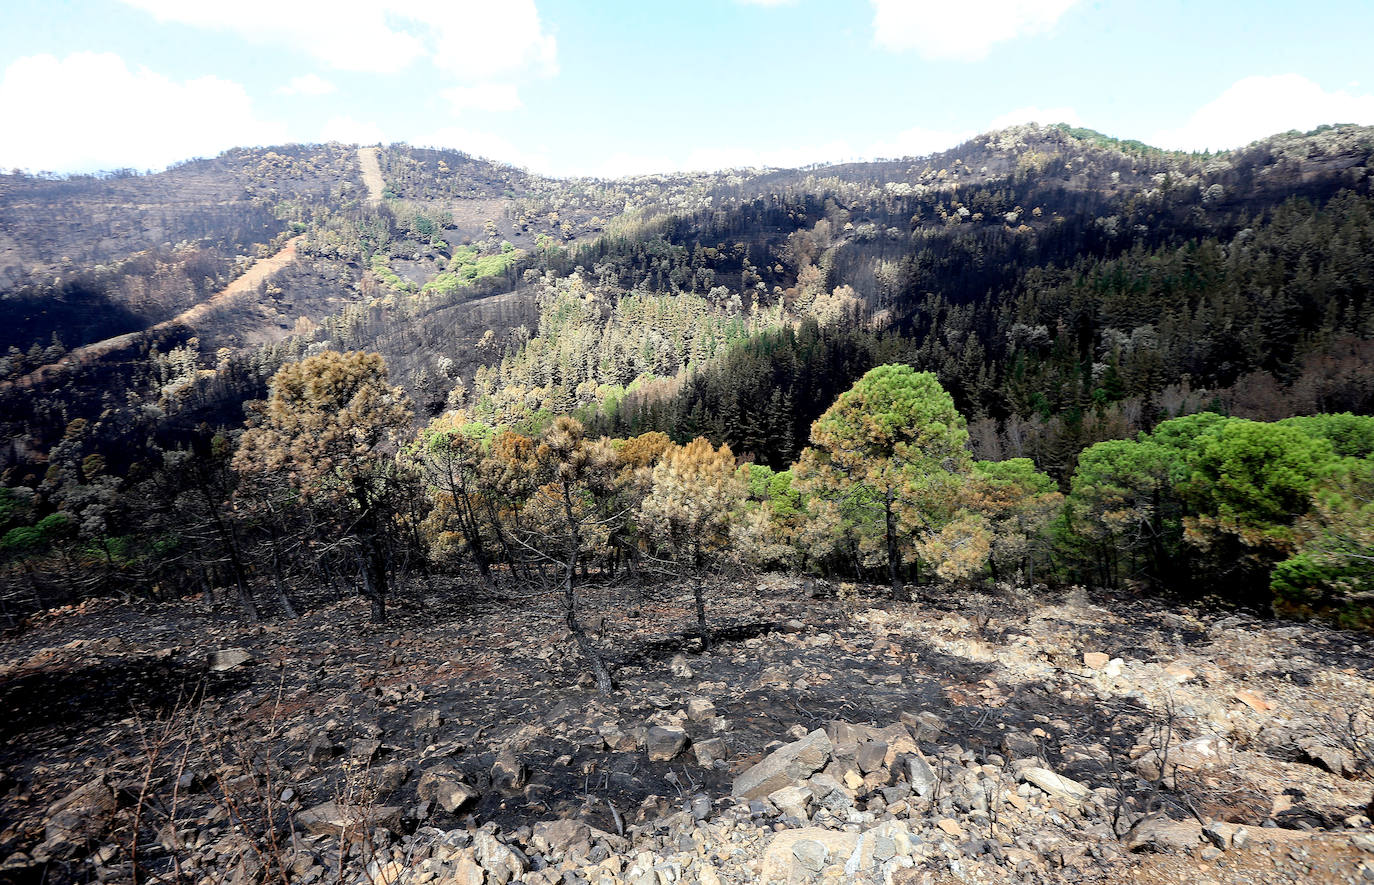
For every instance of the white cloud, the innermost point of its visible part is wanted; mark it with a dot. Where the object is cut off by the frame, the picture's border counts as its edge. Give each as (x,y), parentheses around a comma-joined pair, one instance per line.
(938,29)
(470,38)
(89,112)
(346,130)
(307,84)
(483,97)
(481,39)
(765,2)
(1255,107)
(1035,114)
(353,35)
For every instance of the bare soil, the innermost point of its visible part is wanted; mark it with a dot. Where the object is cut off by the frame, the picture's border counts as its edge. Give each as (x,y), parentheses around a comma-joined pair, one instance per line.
(457,680)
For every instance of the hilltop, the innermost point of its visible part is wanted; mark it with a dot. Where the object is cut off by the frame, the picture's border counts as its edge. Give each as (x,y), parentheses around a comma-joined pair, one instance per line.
(392,515)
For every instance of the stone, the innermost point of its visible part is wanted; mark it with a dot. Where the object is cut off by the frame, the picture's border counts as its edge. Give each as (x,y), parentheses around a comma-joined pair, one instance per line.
(1019,745)
(925,726)
(79,818)
(616,739)
(508,772)
(780,862)
(1095,660)
(830,793)
(810,855)
(467,872)
(920,775)
(502,862)
(454,795)
(389,778)
(427,720)
(1163,834)
(665,742)
(709,751)
(1114,668)
(784,766)
(322,748)
(700,709)
(680,668)
(348,821)
(557,836)
(846,734)
(792,800)
(1056,785)
(871,756)
(1180,672)
(1336,760)
(228,659)
(364,751)
(951,827)
(1193,755)
(1253,701)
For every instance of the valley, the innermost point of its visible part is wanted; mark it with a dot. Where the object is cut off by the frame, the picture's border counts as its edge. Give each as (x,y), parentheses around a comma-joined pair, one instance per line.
(392,515)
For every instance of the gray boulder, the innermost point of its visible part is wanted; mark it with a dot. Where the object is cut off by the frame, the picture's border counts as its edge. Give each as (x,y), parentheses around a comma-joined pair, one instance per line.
(784,766)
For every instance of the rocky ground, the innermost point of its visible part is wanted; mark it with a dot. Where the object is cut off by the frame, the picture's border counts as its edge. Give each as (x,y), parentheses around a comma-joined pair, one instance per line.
(828,735)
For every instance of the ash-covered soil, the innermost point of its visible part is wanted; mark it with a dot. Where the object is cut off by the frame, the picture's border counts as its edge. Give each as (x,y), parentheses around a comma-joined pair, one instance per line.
(473,716)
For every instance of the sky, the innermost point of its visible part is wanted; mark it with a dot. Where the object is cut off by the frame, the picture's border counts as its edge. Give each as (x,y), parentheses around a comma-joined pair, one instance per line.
(623,87)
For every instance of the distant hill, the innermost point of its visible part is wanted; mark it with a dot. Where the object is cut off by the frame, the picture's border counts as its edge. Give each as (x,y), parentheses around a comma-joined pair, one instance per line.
(1046,273)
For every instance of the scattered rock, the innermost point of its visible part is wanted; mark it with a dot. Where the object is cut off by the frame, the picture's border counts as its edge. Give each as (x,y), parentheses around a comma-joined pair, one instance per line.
(1180,672)
(616,739)
(1337,760)
(1163,834)
(1056,785)
(951,827)
(453,796)
(1194,755)
(871,756)
(79,818)
(665,742)
(1254,701)
(784,766)
(427,720)
(557,836)
(700,709)
(1095,660)
(364,751)
(810,855)
(709,751)
(781,862)
(508,772)
(920,775)
(792,800)
(228,658)
(680,668)
(348,821)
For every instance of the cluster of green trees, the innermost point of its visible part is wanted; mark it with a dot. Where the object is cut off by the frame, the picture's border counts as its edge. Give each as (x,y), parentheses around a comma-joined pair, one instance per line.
(1258,508)
(329,479)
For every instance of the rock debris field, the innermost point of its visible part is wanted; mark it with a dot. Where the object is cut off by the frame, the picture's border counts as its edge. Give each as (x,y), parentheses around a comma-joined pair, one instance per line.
(827,735)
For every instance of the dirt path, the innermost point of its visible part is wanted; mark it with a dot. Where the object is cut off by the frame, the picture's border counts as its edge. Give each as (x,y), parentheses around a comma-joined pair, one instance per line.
(372,175)
(243,286)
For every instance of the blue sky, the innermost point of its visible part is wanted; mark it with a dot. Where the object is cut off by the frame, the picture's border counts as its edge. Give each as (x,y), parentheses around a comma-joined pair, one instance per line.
(619,87)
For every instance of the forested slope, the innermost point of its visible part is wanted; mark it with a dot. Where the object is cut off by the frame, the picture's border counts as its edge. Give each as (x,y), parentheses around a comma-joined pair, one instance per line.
(1063,287)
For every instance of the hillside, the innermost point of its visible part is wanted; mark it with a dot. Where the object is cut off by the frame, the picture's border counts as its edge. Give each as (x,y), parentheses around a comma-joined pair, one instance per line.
(1002,514)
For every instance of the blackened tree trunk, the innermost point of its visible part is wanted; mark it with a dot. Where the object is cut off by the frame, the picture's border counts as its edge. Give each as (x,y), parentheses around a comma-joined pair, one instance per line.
(894,556)
(584,645)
